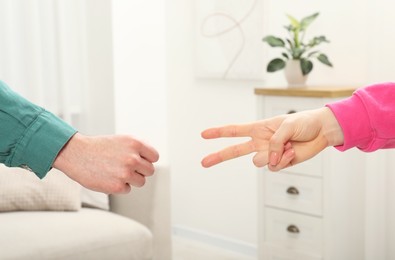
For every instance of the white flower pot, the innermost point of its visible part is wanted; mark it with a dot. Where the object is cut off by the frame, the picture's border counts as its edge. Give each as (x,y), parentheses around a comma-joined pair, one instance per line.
(293,74)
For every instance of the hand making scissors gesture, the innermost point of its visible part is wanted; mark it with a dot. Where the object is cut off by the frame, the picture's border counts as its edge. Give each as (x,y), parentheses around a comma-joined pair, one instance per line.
(279,142)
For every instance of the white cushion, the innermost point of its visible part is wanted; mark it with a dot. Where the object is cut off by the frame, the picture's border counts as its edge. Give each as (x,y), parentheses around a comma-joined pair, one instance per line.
(85,234)
(93,199)
(23,190)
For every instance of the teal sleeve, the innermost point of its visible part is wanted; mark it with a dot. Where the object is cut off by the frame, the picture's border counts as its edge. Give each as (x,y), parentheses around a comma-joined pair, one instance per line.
(30,136)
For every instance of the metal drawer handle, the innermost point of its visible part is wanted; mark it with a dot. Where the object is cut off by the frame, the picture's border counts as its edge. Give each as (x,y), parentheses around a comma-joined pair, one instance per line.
(293,191)
(293,229)
(292,111)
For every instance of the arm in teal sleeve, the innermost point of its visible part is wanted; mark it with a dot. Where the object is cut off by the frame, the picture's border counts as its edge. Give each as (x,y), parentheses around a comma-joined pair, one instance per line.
(30,136)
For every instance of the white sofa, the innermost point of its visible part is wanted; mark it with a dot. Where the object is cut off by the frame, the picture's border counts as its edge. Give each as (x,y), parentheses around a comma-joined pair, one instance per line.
(136,227)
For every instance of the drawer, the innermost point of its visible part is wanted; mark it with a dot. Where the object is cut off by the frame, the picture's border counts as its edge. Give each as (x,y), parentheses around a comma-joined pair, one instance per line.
(312,167)
(271,252)
(293,192)
(293,231)
(274,106)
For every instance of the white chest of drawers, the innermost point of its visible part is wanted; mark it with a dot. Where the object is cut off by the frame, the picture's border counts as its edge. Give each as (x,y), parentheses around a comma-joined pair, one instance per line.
(314,210)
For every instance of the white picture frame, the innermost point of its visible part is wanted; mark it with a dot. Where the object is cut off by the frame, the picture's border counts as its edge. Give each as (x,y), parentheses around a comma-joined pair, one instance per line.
(229,39)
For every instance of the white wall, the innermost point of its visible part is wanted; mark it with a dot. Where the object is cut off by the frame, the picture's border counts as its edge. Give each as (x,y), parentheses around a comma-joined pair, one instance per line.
(98,89)
(218,202)
(390,207)
(139,71)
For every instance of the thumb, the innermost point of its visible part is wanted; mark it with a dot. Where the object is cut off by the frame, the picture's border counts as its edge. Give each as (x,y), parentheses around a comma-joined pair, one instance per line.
(279,142)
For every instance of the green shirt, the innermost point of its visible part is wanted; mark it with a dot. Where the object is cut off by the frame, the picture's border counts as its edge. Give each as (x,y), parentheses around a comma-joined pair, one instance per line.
(30,136)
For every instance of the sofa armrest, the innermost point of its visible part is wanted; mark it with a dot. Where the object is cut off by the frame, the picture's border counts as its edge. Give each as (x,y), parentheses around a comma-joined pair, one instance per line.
(150,205)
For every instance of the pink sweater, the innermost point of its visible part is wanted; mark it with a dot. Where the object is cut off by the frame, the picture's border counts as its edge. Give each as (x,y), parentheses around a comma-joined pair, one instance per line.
(367,118)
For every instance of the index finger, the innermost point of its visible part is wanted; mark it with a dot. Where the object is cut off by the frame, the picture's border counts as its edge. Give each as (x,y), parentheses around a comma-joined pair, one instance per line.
(241,130)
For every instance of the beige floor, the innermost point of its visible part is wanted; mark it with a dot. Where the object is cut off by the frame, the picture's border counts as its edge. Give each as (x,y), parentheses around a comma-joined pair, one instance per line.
(184,249)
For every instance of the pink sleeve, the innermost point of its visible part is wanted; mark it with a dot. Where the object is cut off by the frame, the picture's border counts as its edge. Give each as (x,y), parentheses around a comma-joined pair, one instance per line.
(367,118)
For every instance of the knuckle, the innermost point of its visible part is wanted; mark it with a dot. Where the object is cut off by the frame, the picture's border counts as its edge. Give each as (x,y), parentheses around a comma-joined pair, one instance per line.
(124,175)
(273,168)
(142,183)
(138,180)
(274,140)
(135,144)
(236,152)
(151,171)
(130,141)
(148,171)
(257,162)
(252,146)
(233,131)
(132,160)
(119,187)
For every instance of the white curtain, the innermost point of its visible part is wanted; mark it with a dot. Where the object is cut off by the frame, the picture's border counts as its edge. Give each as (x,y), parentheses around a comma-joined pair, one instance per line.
(31,52)
(57,53)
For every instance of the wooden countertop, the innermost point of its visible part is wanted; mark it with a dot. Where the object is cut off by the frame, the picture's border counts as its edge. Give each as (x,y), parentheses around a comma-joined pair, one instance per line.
(324,92)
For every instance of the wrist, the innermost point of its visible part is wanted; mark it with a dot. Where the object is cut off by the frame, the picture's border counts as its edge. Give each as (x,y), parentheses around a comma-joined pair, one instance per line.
(331,129)
(65,157)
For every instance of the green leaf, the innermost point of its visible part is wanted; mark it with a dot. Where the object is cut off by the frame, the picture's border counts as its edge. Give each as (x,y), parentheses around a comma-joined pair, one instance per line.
(297,53)
(290,43)
(275,65)
(305,22)
(312,53)
(288,27)
(306,66)
(324,59)
(285,55)
(317,40)
(274,41)
(294,22)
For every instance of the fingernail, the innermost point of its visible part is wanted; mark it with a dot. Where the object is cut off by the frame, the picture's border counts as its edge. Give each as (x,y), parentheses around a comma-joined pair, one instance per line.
(273,158)
(290,154)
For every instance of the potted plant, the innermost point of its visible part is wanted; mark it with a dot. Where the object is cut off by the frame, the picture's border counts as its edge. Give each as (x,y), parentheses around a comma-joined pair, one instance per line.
(297,56)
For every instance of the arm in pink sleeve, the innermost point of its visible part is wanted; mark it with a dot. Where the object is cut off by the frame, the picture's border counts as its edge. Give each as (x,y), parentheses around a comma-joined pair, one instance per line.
(367,118)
